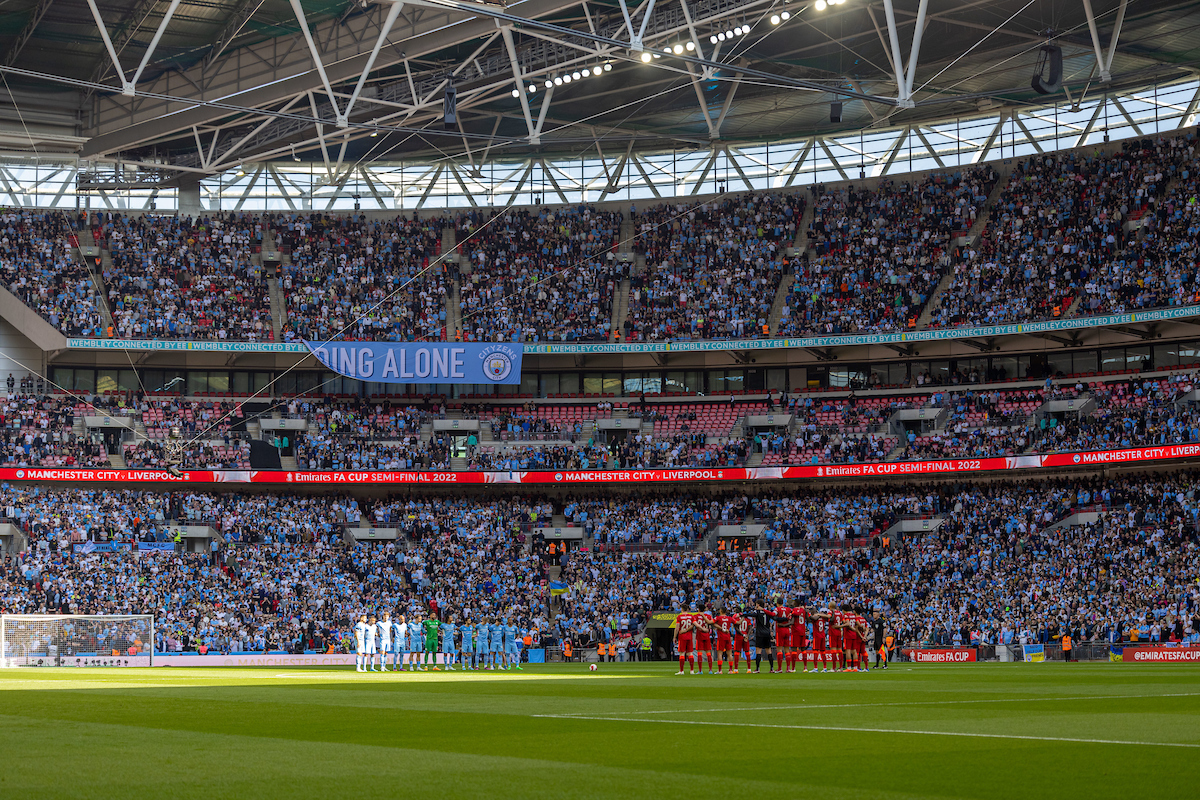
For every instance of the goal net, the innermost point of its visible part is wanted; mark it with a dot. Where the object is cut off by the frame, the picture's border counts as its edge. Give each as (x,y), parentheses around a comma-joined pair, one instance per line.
(72,640)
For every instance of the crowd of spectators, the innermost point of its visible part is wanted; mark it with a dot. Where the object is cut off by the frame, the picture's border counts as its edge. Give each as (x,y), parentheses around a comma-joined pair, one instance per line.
(877,254)
(995,570)
(712,271)
(545,275)
(1058,232)
(185,278)
(38,266)
(350,277)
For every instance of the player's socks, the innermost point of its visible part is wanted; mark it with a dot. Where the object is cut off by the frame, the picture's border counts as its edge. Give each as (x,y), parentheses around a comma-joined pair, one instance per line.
(757,661)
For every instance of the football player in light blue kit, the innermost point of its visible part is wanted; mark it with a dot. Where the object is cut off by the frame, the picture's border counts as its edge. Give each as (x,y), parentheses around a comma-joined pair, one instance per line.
(399,643)
(482,631)
(448,651)
(467,631)
(512,650)
(416,644)
(496,645)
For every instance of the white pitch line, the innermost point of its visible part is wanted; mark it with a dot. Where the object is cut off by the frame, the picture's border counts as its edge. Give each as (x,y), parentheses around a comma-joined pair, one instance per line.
(912,703)
(875,730)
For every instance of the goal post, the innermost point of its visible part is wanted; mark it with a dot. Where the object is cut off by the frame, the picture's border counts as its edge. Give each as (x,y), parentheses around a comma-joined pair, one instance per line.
(76,640)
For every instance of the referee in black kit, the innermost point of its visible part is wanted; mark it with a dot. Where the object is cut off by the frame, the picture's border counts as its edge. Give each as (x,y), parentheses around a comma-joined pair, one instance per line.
(880,631)
(762,637)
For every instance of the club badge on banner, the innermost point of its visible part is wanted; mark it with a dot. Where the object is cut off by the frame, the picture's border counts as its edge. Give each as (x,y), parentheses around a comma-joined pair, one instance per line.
(422,362)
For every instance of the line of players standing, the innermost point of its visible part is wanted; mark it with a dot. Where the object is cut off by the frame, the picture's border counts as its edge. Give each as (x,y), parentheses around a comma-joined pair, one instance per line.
(489,644)
(838,641)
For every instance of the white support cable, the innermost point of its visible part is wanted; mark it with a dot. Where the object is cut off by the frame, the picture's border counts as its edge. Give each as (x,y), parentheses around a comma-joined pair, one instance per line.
(541,120)
(635,43)
(897,61)
(911,72)
(1105,75)
(126,86)
(645,21)
(162,26)
(522,94)
(316,57)
(388,22)
(706,72)
(1112,44)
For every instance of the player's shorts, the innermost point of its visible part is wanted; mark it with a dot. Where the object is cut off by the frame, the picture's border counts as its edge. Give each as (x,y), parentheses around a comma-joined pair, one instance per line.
(723,642)
(783,637)
(685,642)
(850,641)
(497,647)
(704,642)
(431,646)
(799,638)
(835,642)
(512,649)
(361,650)
(740,644)
(467,648)
(818,644)
(762,641)
(370,649)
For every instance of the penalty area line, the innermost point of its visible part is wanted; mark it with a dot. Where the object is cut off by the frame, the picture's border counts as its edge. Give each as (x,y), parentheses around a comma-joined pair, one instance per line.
(849,729)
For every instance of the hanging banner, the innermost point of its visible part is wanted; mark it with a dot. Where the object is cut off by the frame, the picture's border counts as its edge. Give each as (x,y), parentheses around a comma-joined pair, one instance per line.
(422,362)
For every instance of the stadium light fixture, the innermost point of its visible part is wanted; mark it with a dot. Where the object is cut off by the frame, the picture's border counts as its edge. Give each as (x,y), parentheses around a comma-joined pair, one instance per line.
(515,93)
(713,39)
(566,78)
(533,88)
(549,83)
(645,57)
(677,49)
(558,81)
(775,17)
(689,45)
(608,66)
(597,70)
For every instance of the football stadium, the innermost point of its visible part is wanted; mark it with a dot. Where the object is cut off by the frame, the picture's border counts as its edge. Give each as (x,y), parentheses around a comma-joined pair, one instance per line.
(798,396)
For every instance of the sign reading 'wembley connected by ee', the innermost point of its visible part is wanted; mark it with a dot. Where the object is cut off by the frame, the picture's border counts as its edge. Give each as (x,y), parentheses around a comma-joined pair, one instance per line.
(676,346)
(412,362)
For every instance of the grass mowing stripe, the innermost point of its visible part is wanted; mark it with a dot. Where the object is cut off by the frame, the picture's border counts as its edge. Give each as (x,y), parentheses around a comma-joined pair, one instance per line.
(913,703)
(843,729)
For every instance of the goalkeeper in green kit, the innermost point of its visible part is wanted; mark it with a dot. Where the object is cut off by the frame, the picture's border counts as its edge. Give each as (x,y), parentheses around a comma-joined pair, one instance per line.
(431,641)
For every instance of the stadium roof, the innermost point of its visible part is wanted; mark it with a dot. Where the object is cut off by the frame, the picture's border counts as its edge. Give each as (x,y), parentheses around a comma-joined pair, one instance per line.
(227,81)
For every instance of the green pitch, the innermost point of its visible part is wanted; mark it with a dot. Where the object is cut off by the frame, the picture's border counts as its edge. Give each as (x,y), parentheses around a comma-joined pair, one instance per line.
(625,731)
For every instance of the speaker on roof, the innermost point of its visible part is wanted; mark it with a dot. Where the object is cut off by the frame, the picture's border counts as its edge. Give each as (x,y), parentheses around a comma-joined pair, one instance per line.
(450,109)
(1048,78)
(835,112)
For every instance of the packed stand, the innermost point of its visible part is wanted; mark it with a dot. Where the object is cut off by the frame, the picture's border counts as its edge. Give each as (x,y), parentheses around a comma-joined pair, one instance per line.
(877,254)
(38,267)
(540,276)
(1057,234)
(185,278)
(712,272)
(354,278)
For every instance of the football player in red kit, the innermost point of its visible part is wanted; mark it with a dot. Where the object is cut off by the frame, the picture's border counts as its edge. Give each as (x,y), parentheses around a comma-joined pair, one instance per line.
(864,660)
(836,628)
(685,625)
(742,626)
(783,636)
(849,639)
(799,636)
(704,631)
(820,621)
(723,623)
